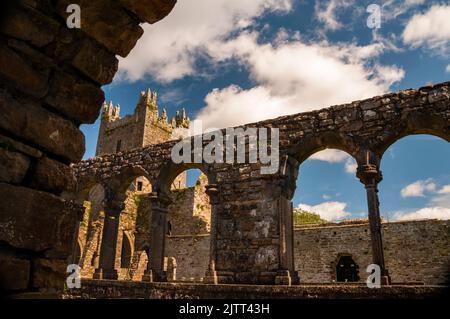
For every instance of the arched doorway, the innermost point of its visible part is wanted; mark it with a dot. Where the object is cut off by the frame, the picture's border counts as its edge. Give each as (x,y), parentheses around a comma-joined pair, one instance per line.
(189,225)
(346,269)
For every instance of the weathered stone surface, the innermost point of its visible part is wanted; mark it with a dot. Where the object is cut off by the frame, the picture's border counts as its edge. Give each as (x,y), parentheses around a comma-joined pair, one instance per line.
(116,30)
(52,176)
(14,273)
(29,25)
(30,121)
(109,289)
(49,273)
(76,98)
(95,62)
(21,74)
(149,11)
(35,220)
(11,144)
(14,166)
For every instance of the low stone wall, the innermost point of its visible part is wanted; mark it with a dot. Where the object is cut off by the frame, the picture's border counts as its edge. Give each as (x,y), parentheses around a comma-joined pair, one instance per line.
(106,289)
(415,251)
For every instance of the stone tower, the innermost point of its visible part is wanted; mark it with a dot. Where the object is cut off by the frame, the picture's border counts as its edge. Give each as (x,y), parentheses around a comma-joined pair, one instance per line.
(144,127)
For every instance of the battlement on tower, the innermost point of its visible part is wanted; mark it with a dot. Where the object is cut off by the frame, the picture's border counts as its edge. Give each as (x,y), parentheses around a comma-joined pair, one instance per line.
(144,127)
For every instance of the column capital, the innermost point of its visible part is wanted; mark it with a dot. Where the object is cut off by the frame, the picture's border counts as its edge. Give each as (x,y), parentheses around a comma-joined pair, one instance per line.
(159,201)
(369,174)
(212,191)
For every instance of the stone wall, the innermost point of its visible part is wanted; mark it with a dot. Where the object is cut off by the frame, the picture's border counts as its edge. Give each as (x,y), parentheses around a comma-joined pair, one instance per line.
(107,289)
(50,83)
(415,251)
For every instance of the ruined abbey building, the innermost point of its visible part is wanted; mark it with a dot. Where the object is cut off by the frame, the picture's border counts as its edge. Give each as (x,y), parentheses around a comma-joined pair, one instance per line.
(324,253)
(251,237)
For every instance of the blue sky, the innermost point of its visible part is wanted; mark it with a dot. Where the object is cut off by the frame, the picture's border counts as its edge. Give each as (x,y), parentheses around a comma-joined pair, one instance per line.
(230,62)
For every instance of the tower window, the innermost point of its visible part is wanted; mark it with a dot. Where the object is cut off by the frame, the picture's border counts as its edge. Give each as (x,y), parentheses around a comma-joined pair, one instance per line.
(139,186)
(118,146)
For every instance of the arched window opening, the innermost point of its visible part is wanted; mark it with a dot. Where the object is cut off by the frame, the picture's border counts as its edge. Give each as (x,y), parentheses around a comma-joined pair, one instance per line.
(346,269)
(188,227)
(328,197)
(415,208)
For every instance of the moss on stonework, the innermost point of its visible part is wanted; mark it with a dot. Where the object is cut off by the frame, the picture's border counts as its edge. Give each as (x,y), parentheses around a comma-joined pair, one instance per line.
(87,214)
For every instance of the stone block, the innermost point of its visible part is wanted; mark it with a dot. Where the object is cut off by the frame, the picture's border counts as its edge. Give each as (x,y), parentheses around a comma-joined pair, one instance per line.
(49,273)
(29,25)
(14,166)
(108,23)
(76,98)
(28,120)
(52,176)
(14,273)
(21,74)
(94,61)
(149,11)
(36,220)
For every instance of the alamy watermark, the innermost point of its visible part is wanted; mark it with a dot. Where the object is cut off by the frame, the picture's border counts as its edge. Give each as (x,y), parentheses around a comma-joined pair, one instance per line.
(230,145)
(374,19)
(74,18)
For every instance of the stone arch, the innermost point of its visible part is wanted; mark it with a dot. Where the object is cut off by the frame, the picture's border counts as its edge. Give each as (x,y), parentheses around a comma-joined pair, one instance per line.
(309,145)
(413,124)
(171,170)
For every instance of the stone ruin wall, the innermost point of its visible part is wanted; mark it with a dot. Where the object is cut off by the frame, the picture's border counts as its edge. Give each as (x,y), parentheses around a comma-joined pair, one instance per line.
(415,251)
(189,215)
(50,83)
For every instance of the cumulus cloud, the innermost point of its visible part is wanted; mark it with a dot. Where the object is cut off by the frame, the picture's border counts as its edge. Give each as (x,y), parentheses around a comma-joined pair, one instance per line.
(430,29)
(336,156)
(447,69)
(294,77)
(329,211)
(418,188)
(445,189)
(424,213)
(326,12)
(169,48)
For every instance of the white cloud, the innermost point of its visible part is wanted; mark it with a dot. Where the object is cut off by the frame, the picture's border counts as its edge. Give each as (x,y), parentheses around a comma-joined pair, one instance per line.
(294,77)
(329,211)
(447,69)
(431,29)
(326,12)
(445,189)
(351,165)
(424,213)
(330,156)
(418,188)
(168,49)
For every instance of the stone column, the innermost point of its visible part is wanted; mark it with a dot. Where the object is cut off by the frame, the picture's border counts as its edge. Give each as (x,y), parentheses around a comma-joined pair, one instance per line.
(370,176)
(211,274)
(106,269)
(155,266)
(286,275)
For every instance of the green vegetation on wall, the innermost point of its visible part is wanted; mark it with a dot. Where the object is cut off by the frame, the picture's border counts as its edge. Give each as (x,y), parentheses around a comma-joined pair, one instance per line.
(302,217)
